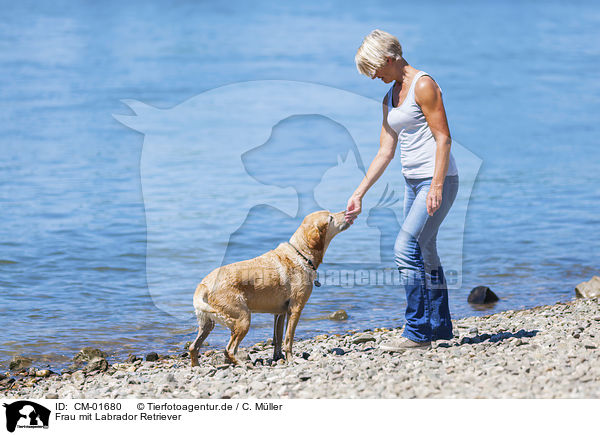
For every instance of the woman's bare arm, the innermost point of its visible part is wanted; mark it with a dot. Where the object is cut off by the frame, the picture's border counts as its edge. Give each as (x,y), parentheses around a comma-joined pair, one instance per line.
(388,140)
(429,96)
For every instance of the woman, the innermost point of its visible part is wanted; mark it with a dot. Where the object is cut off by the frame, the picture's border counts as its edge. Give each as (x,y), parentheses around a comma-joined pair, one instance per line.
(414,115)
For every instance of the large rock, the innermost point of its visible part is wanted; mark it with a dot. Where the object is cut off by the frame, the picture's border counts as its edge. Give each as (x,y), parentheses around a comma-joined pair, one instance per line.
(19,363)
(97,363)
(589,289)
(482,295)
(88,354)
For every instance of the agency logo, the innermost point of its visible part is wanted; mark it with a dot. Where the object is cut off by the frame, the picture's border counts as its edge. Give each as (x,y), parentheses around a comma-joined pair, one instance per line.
(25,414)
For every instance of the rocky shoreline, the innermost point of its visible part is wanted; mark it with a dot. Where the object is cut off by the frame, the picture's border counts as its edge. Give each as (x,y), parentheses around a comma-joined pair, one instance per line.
(543,352)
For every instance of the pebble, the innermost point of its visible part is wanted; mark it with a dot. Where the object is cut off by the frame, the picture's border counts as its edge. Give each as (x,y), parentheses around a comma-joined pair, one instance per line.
(363,338)
(77,376)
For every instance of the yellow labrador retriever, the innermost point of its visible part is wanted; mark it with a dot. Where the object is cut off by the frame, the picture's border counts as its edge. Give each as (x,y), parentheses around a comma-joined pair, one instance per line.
(279,282)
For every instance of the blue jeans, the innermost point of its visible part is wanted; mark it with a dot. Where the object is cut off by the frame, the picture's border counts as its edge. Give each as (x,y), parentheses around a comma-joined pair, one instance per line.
(421,273)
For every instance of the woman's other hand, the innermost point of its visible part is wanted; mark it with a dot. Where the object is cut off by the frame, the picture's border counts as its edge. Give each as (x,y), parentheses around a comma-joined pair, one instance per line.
(434,199)
(353,208)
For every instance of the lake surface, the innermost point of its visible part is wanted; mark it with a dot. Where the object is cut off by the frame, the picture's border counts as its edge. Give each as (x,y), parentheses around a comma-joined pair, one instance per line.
(104,234)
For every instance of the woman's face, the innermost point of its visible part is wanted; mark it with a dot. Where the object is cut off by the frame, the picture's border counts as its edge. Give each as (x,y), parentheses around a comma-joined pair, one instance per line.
(384,73)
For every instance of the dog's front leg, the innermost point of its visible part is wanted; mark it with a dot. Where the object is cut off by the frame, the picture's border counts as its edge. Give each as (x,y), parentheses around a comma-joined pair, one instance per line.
(278,336)
(293,317)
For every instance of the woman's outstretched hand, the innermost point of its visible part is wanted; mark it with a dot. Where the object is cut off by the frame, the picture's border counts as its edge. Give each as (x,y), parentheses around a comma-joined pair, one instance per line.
(353,208)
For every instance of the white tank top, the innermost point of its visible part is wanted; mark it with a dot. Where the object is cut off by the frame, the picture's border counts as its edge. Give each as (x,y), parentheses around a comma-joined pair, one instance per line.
(417,144)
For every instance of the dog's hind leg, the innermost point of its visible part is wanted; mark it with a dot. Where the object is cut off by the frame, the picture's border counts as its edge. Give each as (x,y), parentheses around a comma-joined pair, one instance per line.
(205,326)
(239,329)
(279,321)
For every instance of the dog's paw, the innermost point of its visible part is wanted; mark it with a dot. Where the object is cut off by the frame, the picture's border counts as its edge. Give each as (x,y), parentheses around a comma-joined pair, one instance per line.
(277,356)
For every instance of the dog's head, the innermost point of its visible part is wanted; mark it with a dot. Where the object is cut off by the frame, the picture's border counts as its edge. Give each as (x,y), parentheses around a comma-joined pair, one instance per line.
(318,229)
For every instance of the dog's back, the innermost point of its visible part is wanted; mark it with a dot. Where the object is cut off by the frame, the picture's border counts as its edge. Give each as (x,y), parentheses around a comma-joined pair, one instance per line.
(262,284)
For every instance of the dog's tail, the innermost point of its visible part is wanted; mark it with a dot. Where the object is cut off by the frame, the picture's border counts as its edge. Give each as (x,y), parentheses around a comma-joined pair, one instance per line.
(201,300)
(203,310)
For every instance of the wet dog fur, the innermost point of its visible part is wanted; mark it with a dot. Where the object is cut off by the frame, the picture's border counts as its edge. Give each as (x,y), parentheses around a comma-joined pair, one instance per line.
(278,282)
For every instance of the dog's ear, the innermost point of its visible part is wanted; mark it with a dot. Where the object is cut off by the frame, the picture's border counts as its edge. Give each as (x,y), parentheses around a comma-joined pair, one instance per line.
(315,235)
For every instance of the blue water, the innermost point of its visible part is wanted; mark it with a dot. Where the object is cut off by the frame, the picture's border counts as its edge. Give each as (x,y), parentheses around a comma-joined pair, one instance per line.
(521,92)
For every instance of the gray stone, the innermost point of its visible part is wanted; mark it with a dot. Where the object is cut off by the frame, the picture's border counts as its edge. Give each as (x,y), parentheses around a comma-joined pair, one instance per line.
(19,362)
(132,358)
(257,386)
(98,363)
(304,376)
(339,315)
(362,338)
(170,378)
(588,289)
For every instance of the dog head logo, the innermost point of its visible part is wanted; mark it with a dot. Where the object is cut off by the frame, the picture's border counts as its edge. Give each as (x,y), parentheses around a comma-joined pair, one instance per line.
(26,414)
(200,181)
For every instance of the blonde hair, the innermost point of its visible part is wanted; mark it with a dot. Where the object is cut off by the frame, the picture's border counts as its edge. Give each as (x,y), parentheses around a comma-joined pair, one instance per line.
(374,51)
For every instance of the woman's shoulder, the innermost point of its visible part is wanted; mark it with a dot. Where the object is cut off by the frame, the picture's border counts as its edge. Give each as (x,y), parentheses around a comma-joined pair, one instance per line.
(426,89)
(425,82)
